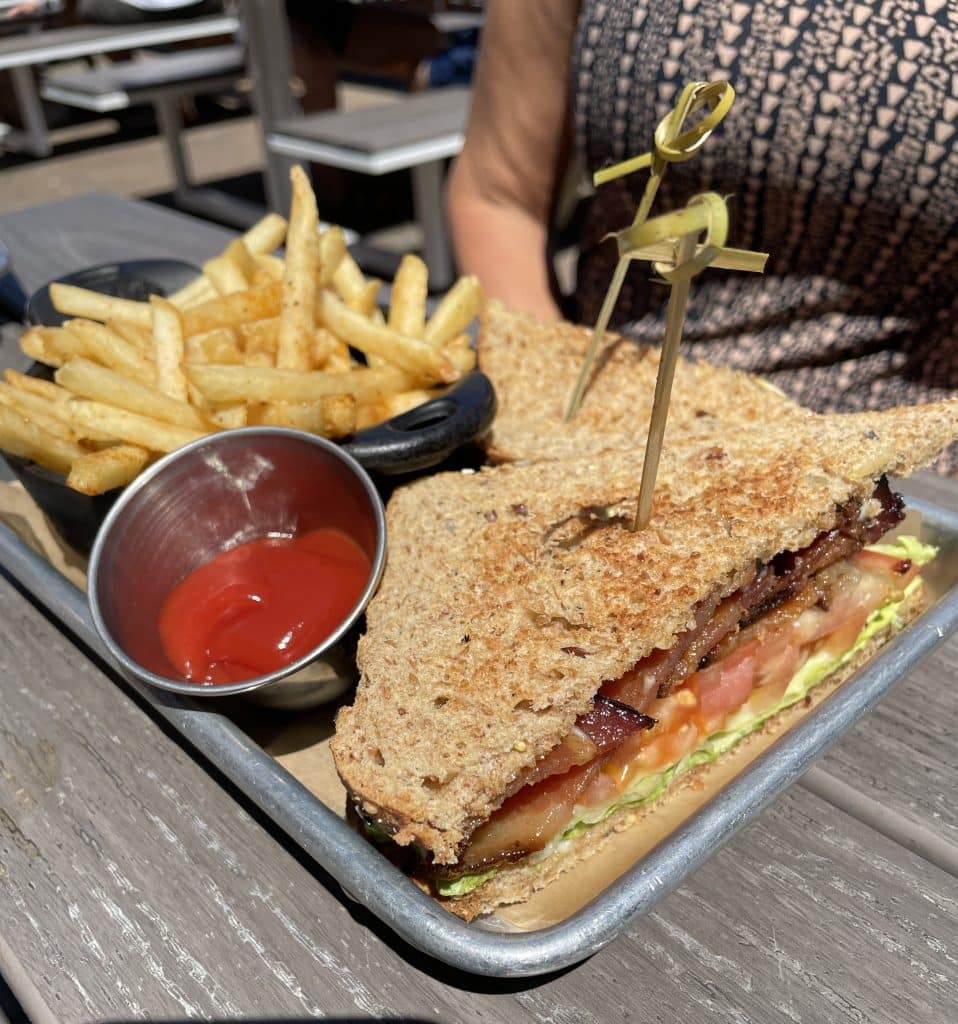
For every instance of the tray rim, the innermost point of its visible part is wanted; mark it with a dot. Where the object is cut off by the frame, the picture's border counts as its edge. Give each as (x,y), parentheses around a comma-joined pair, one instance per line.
(366,877)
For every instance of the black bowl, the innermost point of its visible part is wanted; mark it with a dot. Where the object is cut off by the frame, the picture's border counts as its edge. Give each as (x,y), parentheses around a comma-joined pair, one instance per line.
(129,279)
(419,439)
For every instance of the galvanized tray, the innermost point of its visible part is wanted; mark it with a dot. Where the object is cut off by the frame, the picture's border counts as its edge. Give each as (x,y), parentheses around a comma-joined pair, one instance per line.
(372,881)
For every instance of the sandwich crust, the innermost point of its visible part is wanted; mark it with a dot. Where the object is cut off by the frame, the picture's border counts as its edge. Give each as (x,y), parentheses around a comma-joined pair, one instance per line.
(534,366)
(511,593)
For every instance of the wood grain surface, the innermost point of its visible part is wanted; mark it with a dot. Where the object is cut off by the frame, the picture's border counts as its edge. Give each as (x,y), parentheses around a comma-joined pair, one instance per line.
(898,769)
(48,241)
(135,884)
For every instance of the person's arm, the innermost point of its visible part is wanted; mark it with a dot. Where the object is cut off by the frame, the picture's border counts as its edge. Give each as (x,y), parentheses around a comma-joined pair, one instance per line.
(27,7)
(503,184)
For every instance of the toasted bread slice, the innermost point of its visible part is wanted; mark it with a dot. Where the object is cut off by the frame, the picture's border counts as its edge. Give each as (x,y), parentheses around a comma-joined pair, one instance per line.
(511,593)
(534,367)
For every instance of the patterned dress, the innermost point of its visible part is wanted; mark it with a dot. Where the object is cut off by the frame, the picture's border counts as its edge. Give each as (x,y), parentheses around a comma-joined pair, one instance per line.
(839,158)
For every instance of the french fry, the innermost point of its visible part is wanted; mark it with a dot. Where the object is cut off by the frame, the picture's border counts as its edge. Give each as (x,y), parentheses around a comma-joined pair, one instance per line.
(230,417)
(232,310)
(104,346)
(351,286)
(107,469)
(322,347)
(339,415)
(294,338)
(89,380)
(266,234)
(330,416)
(426,363)
(81,302)
(332,252)
(263,237)
(86,415)
(296,415)
(296,319)
(387,406)
(239,255)
(36,386)
(260,336)
(407,307)
(169,348)
(456,308)
(348,280)
(461,354)
(225,276)
(216,346)
(199,290)
(365,301)
(340,360)
(37,343)
(20,436)
(38,410)
(269,384)
(139,337)
(267,268)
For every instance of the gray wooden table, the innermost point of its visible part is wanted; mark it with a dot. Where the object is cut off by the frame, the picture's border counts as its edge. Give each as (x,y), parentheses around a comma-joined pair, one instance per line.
(134,883)
(20,54)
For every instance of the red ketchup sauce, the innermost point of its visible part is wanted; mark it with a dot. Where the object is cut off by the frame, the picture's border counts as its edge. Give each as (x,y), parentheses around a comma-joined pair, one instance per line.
(261,605)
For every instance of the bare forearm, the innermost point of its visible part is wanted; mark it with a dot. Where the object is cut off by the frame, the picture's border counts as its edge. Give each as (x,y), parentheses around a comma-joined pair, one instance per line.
(504,182)
(506,249)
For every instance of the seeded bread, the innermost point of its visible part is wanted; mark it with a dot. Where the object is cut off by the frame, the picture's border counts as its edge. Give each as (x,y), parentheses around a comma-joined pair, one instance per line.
(533,368)
(511,593)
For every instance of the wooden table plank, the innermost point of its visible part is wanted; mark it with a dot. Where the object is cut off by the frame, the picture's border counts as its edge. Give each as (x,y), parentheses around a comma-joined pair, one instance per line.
(133,885)
(48,241)
(808,916)
(898,769)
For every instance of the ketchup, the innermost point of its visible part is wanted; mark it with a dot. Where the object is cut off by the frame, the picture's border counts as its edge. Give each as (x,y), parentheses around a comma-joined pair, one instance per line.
(261,605)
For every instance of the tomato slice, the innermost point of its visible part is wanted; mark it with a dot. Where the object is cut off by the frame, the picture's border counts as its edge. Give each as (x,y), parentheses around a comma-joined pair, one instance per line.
(725,686)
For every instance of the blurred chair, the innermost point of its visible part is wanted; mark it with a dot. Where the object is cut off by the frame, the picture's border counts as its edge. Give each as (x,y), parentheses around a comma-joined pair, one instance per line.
(163,81)
(22,53)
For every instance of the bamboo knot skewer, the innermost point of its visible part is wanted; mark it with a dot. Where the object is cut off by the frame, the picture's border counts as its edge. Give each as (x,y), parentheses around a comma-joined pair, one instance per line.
(679,245)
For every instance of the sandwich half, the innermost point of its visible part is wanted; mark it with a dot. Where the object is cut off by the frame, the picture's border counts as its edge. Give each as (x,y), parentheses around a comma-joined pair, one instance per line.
(534,366)
(534,670)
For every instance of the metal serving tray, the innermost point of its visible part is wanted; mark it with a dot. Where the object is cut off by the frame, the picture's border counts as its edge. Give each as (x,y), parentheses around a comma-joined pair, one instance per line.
(376,884)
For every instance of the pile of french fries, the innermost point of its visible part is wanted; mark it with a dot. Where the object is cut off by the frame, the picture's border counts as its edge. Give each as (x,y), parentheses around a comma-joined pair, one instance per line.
(255,339)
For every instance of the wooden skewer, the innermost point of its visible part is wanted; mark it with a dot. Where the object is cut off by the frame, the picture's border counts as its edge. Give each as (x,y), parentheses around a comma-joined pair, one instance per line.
(674,322)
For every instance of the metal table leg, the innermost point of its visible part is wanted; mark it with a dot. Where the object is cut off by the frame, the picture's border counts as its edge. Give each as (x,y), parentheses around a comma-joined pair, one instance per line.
(427,200)
(204,202)
(170,121)
(35,137)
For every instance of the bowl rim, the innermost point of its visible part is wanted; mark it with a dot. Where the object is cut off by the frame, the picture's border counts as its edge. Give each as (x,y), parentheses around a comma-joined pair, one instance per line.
(139,672)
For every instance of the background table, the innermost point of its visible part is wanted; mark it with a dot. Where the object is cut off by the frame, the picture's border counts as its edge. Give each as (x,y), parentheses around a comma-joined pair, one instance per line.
(134,882)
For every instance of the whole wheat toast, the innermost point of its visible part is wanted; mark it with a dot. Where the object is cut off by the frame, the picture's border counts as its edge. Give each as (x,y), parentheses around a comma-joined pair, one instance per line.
(534,367)
(511,593)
